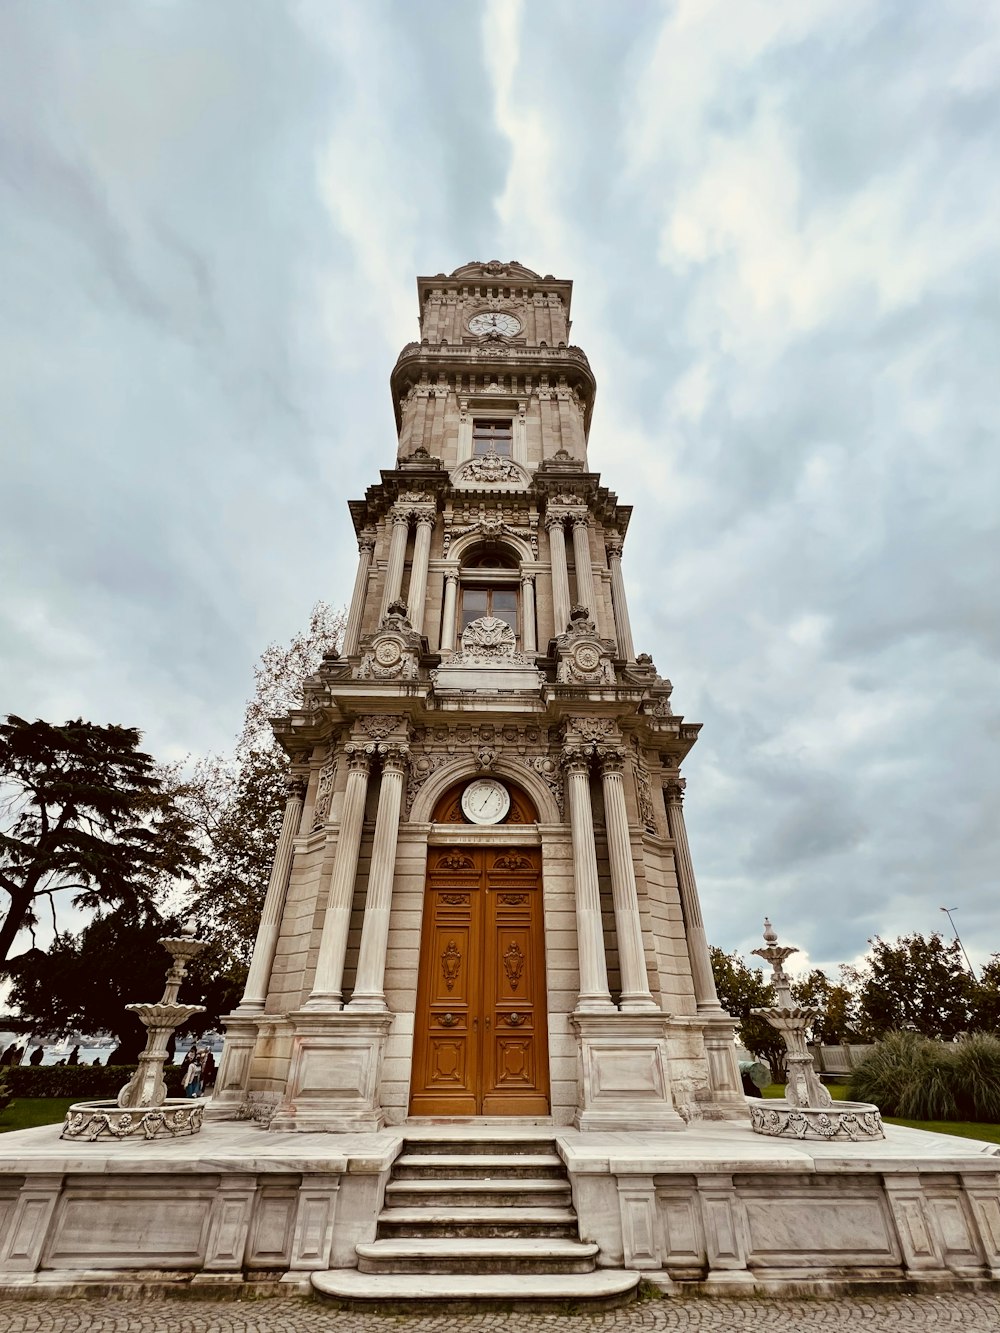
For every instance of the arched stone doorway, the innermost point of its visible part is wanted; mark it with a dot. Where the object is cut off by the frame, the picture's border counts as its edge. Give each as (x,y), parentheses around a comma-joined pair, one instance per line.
(480,1043)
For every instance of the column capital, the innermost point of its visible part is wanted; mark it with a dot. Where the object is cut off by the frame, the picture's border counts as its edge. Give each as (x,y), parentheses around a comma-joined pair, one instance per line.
(366,542)
(527,578)
(398,515)
(576,758)
(674,790)
(395,758)
(611,759)
(554,521)
(295,787)
(452,576)
(424,517)
(580,518)
(614,547)
(359,759)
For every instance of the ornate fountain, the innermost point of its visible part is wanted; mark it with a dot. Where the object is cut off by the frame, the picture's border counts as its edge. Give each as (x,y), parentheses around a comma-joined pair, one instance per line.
(807,1110)
(142,1109)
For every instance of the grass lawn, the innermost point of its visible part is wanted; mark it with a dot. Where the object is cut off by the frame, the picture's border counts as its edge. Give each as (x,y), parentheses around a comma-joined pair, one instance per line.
(964,1129)
(26,1112)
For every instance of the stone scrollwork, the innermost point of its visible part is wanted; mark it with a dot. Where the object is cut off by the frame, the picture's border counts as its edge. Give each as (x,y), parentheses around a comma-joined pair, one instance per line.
(487,641)
(644,795)
(491,467)
(843,1121)
(393,653)
(548,770)
(324,793)
(582,656)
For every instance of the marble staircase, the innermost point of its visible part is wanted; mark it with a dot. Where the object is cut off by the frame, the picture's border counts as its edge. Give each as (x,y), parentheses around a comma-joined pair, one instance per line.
(478,1219)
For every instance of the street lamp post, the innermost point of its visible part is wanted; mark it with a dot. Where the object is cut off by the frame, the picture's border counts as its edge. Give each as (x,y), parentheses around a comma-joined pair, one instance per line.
(948,911)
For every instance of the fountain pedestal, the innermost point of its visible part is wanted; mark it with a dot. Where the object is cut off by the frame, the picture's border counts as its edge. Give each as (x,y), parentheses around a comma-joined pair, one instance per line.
(142,1109)
(807,1110)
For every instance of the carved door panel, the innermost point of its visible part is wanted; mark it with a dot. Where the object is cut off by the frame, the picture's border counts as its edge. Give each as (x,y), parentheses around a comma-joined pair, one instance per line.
(515,1059)
(479,1041)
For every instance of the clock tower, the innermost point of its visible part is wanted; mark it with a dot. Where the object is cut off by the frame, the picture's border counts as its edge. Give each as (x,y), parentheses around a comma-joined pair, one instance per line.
(482,901)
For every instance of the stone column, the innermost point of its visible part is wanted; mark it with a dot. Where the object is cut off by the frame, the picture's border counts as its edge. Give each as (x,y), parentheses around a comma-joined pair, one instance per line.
(623,628)
(584,569)
(352,633)
(417,594)
(450,610)
(369,995)
(631,955)
(529,639)
(329,979)
(255,991)
(594,994)
(397,558)
(560,574)
(694,927)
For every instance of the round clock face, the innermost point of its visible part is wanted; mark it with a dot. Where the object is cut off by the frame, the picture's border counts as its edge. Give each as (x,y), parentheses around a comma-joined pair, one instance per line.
(491,321)
(485,801)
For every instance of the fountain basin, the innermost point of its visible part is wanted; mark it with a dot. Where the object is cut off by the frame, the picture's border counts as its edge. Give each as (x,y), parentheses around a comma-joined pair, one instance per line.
(852,1121)
(175,1118)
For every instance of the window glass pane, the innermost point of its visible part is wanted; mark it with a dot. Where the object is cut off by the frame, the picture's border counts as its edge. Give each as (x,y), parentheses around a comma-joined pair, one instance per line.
(505,606)
(490,436)
(474,605)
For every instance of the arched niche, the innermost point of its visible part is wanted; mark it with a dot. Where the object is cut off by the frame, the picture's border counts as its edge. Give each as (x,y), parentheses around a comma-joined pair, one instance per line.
(448,809)
(536,788)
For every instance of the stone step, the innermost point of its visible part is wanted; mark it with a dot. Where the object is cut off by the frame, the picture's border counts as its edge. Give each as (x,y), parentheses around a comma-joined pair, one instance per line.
(461,1254)
(485,1222)
(472,1147)
(468,1193)
(473,1290)
(486,1165)
(461,1290)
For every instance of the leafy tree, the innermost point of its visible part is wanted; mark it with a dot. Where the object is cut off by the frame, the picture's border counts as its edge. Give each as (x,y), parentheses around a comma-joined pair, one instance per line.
(741,989)
(986,998)
(84,980)
(83,809)
(836,1004)
(237,802)
(920,984)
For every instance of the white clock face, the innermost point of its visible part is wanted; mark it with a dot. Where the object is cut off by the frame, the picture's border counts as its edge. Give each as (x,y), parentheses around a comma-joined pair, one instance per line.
(491,321)
(485,801)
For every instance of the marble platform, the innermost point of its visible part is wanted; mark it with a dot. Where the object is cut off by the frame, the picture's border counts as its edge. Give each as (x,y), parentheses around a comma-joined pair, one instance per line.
(714,1206)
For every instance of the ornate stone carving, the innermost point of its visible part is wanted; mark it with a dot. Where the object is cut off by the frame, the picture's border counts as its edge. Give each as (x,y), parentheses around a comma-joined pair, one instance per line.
(491,467)
(576,758)
(366,541)
(295,787)
(420,770)
(611,758)
(486,642)
(358,758)
(491,523)
(380,725)
(486,757)
(394,757)
(324,793)
(393,653)
(548,770)
(644,795)
(583,659)
(673,789)
(594,729)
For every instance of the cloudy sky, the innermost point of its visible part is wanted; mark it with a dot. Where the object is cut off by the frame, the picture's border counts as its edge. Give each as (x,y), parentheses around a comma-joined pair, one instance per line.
(782,222)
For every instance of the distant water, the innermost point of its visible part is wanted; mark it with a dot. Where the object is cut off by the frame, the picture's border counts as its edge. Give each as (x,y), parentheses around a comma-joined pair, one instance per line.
(88,1054)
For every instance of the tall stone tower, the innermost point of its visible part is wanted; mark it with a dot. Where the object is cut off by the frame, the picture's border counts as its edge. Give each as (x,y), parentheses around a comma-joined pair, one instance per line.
(482,900)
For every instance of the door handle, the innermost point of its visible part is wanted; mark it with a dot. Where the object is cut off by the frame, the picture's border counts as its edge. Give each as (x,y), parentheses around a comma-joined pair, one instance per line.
(475,1022)
(487,1023)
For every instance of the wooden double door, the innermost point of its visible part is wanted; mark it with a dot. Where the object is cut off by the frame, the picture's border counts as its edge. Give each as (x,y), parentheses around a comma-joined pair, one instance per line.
(480,1037)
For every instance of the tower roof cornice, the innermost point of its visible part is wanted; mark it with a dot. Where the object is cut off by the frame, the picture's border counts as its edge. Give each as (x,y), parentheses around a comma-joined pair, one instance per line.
(495,274)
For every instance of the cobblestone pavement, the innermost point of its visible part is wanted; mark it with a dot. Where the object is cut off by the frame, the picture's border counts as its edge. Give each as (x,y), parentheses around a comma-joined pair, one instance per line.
(972,1312)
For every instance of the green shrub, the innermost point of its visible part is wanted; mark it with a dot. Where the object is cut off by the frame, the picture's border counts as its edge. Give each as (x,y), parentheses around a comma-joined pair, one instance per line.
(976,1062)
(83,1082)
(6,1096)
(912,1077)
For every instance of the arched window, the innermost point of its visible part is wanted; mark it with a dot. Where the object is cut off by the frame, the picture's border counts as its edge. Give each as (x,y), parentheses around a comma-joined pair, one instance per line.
(490,586)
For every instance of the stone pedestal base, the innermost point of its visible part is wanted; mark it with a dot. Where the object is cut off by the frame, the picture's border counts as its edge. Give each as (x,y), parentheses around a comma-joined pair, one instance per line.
(728,1100)
(334,1079)
(625,1084)
(234,1068)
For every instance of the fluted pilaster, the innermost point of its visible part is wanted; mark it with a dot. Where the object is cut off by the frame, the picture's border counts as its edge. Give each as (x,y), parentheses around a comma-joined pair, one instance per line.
(417,595)
(697,943)
(560,574)
(352,632)
(635,993)
(369,993)
(327,991)
(255,991)
(594,994)
(396,561)
(450,611)
(584,568)
(529,635)
(623,626)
